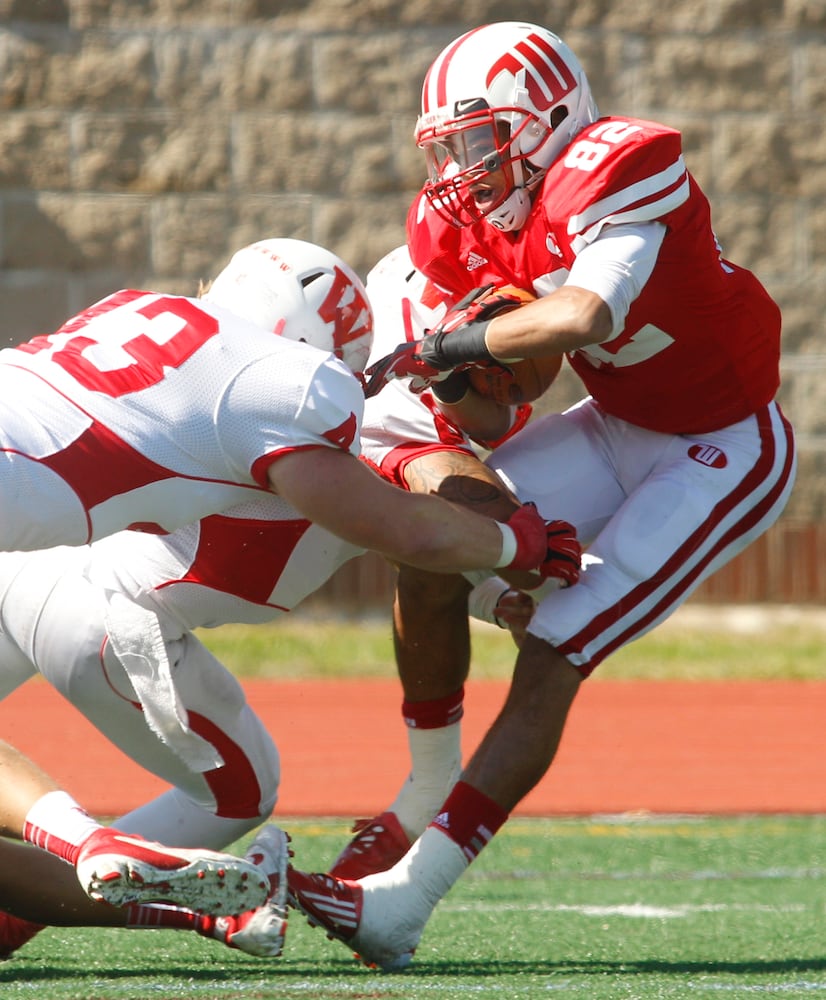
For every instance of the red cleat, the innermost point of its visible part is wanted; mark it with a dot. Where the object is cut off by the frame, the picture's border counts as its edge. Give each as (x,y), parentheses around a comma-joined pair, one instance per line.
(379,843)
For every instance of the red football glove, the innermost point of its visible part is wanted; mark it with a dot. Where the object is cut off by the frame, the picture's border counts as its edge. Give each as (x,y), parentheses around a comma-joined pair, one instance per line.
(551,547)
(405,362)
(564,556)
(481,305)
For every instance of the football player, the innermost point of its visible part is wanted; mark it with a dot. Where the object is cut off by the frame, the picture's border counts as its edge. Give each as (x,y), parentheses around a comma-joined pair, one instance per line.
(674,461)
(150,411)
(430,441)
(111,625)
(84,872)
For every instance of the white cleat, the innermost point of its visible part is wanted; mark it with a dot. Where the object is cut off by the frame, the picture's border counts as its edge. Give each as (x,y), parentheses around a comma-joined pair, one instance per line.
(261,932)
(121,869)
(338,907)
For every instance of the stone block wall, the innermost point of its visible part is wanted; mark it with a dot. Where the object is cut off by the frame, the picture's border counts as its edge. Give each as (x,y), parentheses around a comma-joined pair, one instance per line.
(141,141)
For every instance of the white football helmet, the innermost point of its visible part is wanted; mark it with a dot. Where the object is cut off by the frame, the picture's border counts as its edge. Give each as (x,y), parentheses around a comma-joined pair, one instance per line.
(504,97)
(300,291)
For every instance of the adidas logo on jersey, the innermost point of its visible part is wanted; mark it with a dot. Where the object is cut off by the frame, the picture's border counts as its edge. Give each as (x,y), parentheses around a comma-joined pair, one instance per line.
(474,260)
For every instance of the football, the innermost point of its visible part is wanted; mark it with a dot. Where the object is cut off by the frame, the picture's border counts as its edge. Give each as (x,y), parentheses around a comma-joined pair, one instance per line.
(522,381)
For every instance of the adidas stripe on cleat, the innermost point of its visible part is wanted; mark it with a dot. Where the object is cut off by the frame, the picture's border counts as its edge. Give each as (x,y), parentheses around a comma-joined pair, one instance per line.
(336,906)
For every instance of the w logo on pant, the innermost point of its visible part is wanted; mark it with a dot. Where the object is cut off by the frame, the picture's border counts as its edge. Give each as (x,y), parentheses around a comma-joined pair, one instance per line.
(708,454)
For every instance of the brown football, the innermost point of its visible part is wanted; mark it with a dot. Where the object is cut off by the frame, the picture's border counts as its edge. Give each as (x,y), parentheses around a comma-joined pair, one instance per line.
(526,380)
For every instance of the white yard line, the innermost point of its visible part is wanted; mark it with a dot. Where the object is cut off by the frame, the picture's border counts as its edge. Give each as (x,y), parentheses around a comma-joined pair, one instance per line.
(636,911)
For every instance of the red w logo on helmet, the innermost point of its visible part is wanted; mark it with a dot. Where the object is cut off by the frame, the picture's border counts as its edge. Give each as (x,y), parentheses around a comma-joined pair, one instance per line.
(346,308)
(547,77)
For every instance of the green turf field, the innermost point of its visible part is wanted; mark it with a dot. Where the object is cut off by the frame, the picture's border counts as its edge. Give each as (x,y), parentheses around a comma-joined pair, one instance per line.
(622,907)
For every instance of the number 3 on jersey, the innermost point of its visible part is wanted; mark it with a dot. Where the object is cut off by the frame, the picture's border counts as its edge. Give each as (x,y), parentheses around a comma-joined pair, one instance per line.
(116,355)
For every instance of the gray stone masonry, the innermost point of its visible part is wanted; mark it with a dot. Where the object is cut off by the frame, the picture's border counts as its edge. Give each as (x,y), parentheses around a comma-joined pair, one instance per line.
(141,141)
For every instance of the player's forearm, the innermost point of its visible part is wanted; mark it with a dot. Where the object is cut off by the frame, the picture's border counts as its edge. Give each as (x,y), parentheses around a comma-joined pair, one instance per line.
(341,494)
(440,537)
(482,419)
(566,320)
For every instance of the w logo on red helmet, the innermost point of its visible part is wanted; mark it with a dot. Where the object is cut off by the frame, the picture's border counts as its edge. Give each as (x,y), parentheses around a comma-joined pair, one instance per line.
(548,78)
(346,309)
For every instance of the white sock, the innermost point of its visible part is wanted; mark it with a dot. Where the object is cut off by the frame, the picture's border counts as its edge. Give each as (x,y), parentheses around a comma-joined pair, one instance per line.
(436,758)
(174,818)
(56,821)
(402,898)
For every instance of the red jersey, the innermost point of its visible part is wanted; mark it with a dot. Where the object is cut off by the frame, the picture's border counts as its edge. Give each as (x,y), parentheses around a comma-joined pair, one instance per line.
(700,348)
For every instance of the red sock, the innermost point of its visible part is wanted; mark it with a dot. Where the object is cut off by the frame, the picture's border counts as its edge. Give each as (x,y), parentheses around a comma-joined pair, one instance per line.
(436,713)
(157,915)
(470,818)
(15,932)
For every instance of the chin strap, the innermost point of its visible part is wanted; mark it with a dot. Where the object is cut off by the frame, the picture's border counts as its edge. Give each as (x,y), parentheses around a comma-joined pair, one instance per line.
(513,213)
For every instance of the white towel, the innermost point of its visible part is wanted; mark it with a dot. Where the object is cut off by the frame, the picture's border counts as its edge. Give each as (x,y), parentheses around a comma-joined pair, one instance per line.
(136,639)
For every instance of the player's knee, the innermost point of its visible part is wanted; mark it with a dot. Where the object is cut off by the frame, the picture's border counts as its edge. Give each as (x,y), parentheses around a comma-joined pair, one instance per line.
(645,534)
(247,800)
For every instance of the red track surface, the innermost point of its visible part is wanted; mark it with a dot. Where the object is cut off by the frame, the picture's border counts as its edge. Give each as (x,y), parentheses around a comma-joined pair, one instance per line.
(660,747)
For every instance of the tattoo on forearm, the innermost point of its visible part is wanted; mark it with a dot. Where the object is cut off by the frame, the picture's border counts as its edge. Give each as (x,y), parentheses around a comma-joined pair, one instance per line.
(458,478)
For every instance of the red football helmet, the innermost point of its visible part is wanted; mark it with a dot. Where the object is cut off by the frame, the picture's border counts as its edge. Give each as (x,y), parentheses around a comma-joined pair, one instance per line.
(499,105)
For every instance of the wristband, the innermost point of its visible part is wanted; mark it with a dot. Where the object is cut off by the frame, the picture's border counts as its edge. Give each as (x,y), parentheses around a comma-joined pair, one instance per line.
(452,389)
(484,598)
(509,546)
(463,345)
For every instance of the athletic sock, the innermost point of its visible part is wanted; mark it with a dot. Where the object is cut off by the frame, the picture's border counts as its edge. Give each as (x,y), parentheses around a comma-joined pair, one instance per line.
(161,916)
(470,818)
(400,900)
(15,932)
(57,824)
(407,893)
(434,737)
(436,712)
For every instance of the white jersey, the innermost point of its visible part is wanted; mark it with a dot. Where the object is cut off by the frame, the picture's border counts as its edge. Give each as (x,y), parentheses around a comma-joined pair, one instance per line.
(152,411)
(246,565)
